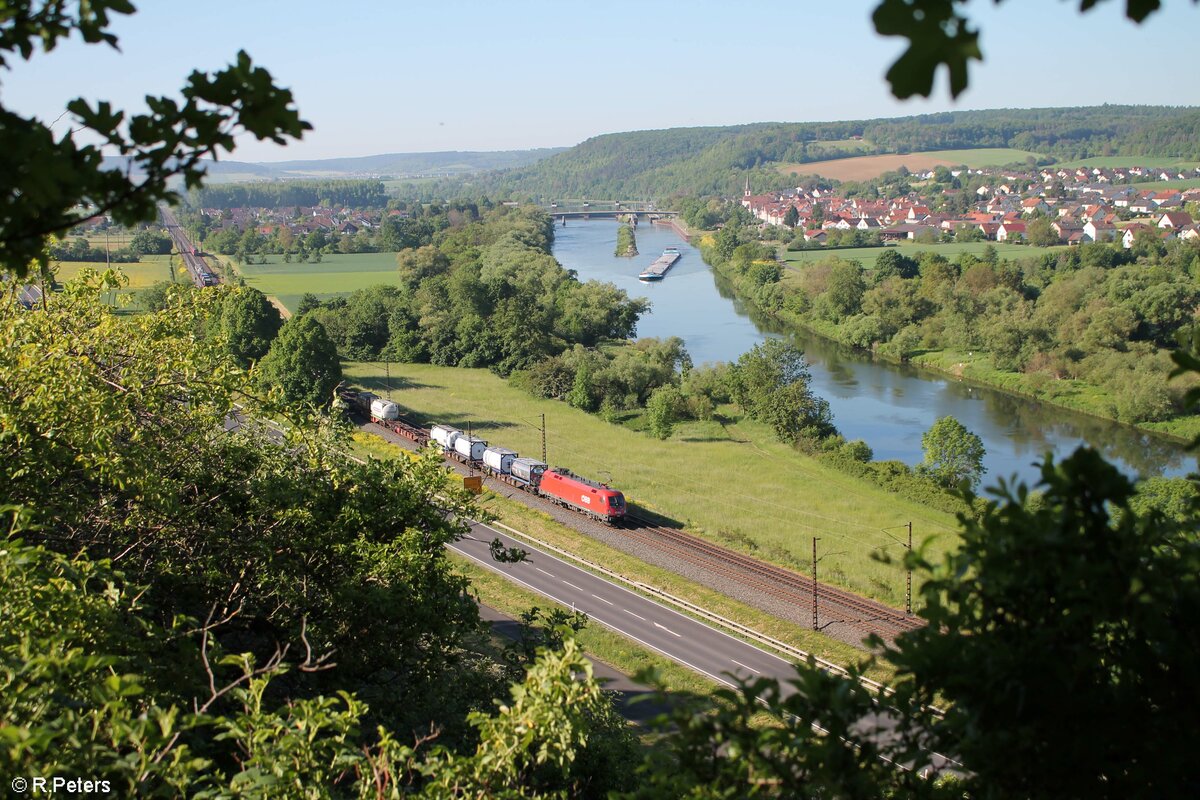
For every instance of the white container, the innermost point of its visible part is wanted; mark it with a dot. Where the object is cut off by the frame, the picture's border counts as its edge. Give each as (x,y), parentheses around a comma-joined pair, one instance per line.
(499,459)
(384,409)
(471,447)
(444,436)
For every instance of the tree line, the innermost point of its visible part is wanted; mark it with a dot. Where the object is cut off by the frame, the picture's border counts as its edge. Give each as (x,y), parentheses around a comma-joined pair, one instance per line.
(1096,313)
(277,194)
(485,294)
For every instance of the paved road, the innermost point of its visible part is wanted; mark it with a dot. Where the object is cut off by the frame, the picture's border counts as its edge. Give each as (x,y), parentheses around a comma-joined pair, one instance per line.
(680,638)
(657,627)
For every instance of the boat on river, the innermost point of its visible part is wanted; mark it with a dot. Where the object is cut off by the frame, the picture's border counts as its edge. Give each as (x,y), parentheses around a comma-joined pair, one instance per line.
(657,270)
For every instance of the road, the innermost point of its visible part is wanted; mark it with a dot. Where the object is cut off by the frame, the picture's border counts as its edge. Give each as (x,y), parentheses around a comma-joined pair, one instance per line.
(680,638)
(685,640)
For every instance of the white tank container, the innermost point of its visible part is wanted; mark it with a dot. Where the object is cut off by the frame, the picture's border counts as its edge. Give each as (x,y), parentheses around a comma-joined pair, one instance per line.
(499,459)
(528,469)
(384,409)
(444,436)
(471,447)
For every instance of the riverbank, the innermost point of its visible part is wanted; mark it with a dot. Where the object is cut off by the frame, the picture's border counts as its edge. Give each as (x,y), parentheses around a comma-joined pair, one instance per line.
(975,368)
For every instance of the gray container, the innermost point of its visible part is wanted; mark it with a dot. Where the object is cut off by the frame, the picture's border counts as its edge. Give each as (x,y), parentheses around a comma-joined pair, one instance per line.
(528,469)
(499,459)
(471,447)
(444,436)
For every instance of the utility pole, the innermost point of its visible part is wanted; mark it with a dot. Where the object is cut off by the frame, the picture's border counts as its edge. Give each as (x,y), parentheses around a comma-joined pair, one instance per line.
(908,576)
(814,583)
(387,371)
(544,461)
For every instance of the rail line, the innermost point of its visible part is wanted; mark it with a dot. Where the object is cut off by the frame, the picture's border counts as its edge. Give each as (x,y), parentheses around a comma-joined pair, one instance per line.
(834,606)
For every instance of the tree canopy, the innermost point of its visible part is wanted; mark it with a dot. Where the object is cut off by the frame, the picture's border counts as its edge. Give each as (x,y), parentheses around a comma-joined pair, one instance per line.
(952,453)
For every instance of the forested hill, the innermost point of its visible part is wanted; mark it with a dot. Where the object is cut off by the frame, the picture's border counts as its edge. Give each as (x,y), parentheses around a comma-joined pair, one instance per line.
(397,165)
(645,164)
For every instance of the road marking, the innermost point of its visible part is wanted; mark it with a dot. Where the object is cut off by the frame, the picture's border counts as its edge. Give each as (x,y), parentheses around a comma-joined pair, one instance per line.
(668,630)
(743,666)
(602,600)
(539,569)
(573,586)
(630,613)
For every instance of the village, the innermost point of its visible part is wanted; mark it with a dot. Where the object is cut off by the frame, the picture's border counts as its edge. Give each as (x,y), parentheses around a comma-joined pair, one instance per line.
(1082,205)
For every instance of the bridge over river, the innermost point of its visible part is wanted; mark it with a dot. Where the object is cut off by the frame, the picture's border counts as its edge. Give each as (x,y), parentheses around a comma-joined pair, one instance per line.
(608,209)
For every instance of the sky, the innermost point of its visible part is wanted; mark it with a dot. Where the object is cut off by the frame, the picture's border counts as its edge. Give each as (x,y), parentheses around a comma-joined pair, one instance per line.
(434,75)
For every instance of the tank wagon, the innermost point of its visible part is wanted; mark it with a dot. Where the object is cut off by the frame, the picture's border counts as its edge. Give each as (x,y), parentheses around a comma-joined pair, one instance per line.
(558,485)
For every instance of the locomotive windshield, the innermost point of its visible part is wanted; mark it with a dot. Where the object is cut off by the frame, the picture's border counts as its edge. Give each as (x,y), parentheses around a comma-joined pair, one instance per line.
(616,500)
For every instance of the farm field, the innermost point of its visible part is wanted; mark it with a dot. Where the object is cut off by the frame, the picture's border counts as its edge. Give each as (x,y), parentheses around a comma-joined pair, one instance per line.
(861,168)
(1130,161)
(867,255)
(776,501)
(142,275)
(145,273)
(335,275)
(1187,183)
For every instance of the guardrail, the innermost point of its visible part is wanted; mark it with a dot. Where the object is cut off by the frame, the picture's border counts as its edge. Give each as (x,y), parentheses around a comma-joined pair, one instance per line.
(699,611)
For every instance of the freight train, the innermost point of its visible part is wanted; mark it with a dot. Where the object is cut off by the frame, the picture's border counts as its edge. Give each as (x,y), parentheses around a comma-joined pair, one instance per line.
(557,484)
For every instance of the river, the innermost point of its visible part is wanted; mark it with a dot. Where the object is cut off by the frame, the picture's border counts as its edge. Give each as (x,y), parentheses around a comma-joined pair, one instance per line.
(888,406)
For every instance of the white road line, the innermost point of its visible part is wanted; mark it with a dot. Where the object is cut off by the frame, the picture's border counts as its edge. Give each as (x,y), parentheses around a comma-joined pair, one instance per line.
(630,613)
(602,600)
(743,666)
(539,569)
(668,630)
(492,567)
(573,586)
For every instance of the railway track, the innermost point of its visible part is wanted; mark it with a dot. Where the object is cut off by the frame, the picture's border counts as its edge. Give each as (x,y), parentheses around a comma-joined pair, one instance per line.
(834,606)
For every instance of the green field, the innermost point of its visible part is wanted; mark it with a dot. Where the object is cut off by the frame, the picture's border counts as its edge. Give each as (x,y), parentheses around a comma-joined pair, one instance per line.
(149,271)
(1188,183)
(335,275)
(867,255)
(1130,161)
(983,156)
(732,483)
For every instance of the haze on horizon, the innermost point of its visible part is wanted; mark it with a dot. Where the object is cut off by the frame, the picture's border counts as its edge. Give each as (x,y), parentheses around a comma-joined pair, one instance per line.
(532,73)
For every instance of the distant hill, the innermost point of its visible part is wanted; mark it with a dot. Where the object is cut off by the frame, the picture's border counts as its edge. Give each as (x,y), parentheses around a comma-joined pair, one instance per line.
(659,164)
(395,165)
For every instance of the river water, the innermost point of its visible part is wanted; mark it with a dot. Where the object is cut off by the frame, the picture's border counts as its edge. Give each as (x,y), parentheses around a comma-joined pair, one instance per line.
(888,406)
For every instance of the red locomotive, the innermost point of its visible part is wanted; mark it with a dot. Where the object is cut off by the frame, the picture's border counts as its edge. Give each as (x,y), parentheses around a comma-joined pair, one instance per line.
(596,500)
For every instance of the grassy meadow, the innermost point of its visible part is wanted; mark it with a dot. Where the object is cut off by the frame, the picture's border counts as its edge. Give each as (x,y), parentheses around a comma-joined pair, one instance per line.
(335,275)
(867,255)
(730,482)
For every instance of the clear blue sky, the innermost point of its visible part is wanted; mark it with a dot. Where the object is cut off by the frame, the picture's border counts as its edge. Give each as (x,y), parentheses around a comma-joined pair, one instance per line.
(378,77)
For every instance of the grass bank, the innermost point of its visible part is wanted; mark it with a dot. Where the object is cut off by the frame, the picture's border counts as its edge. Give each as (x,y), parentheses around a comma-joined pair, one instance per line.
(731,482)
(952,250)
